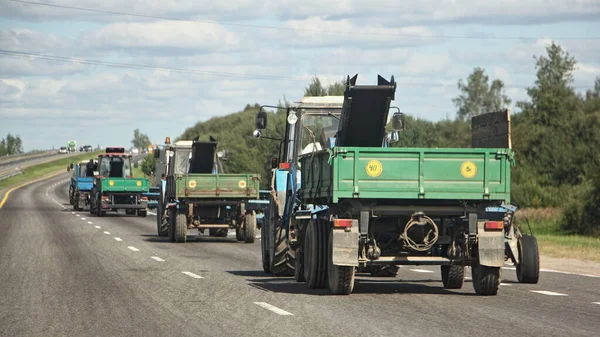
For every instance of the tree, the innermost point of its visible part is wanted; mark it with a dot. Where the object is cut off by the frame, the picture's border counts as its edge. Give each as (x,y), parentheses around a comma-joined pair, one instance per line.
(140,140)
(316,88)
(148,164)
(477,97)
(11,145)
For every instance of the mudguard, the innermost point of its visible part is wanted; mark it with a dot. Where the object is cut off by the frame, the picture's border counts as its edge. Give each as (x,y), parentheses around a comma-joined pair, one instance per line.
(490,246)
(345,246)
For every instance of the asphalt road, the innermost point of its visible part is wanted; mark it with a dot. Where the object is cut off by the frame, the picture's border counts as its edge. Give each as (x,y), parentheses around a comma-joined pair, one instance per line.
(72,274)
(13,164)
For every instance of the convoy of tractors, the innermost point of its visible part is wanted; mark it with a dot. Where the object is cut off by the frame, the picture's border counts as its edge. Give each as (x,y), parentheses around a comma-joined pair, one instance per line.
(342,198)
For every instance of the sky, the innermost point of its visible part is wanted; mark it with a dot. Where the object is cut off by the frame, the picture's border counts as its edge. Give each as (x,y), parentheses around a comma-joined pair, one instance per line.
(175,63)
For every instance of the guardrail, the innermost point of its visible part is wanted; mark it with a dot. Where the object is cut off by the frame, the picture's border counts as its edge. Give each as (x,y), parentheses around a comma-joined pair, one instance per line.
(10,173)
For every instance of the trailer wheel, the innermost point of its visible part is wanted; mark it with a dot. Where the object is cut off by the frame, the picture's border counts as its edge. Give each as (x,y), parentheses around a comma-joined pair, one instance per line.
(162,224)
(99,210)
(315,256)
(180,232)
(385,271)
(264,249)
(341,278)
(486,280)
(250,227)
(239,233)
(453,276)
(528,268)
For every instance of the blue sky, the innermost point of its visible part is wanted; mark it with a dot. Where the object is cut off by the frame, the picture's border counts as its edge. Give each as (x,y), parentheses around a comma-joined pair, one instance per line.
(49,102)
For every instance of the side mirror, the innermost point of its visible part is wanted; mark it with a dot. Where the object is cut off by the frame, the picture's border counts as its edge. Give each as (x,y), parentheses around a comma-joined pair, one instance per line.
(393,137)
(261,120)
(274,162)
(156,153)
(256,133)
(398,121)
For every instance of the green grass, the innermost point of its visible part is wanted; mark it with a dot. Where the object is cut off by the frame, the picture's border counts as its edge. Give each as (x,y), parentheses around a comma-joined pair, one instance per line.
(40,170)
(553,241)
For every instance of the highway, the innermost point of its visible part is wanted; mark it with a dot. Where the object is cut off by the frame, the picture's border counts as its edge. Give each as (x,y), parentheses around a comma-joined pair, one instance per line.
(8,166)
(67,273)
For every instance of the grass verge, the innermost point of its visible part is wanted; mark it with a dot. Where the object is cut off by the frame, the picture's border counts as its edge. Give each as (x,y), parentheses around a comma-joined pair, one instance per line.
(37,171)
(553,241)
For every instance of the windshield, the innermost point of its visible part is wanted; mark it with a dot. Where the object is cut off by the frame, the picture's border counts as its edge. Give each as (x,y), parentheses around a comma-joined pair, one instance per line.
(87,169)
(182,161)
(316,131)
(115,167)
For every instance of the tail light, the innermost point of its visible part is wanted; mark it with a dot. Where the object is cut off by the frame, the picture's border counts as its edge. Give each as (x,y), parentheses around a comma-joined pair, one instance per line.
(145,198)
(104,198)
(342,223)
(494,225)
(285,166)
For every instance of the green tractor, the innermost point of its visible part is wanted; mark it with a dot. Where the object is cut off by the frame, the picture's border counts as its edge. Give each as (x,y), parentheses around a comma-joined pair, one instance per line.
(195,195)
(115,188)
(343,201)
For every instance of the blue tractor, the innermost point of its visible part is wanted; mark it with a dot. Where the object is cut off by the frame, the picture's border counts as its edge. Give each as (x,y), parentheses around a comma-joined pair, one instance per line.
(82,182)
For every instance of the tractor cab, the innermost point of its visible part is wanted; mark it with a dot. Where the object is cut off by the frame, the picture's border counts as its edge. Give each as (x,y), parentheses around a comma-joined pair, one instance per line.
(115,163)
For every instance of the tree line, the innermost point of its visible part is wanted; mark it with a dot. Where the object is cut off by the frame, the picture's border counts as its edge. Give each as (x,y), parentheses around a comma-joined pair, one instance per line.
(555,136)
(11,145)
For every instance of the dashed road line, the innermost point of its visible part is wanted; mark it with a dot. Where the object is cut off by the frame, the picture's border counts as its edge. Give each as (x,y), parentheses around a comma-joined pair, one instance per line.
(505,284)
(98,227)
(596,302)
(151,213)
(156,258)
(421,270)
(83,219)
(77,215)
(91,223)
(133,248)
(118,239)
(107,233)
(549,293)
(72,212)
(273,309)
(191,274)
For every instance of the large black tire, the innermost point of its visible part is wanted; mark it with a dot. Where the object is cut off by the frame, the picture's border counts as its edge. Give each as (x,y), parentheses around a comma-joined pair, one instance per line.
(180,230)
(250,227)
(264,249)
(315,255)
(385,271)
(486,280)
(172,223)
(239,233)
(76,204)
(279,255)
(341,278)
(162,224)
(453,276)
(99,211)
(528,268)
(299,266)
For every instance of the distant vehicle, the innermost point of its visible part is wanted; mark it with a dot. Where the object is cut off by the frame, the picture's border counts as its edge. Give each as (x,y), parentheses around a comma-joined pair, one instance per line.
(63,149)
(88,148)
(135,150)
(72,146)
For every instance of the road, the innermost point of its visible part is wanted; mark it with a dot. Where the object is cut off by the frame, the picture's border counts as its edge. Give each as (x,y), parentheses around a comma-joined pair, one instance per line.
(67,273)
(10,165)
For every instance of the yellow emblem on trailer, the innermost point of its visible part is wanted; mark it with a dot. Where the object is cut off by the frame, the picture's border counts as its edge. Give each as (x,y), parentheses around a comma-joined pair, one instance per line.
(468,169)
(111,182)
(374,168)
(192,184)
(242,184)
(138,183)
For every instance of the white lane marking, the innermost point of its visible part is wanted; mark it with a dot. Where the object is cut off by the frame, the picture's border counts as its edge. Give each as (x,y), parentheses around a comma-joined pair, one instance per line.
(566,272)
(91,223)
(468,278)
(133,248)
(273,309)
(191,274)
(151,213)
(549,293)
(118,238)
(505,284)
(596,302)
(72,212)
(157,258)
(83,219)
(98,227)
(422,270)
(107,233)
(77,215)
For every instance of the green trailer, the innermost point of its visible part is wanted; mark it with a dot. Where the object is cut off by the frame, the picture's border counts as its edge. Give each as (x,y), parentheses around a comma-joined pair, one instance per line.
(115,188)
(195,195)
(344,201)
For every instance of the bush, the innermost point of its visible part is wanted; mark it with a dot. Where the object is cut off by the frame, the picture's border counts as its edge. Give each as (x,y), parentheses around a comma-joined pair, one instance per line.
(582,214)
